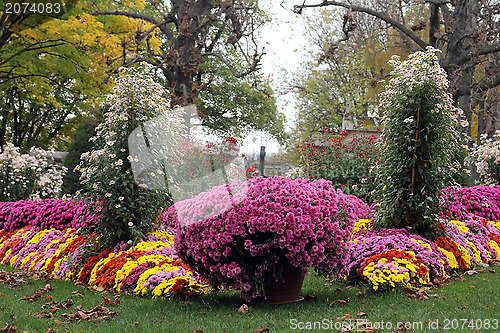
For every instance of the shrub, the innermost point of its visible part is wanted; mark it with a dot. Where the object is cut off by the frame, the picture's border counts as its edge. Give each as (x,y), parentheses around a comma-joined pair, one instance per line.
(79,144)
(486,158)
(46,214)
(28,176)
(346,163)
(461,202)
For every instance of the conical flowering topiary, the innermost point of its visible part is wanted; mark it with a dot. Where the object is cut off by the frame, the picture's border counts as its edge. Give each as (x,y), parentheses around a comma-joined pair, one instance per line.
(127,210)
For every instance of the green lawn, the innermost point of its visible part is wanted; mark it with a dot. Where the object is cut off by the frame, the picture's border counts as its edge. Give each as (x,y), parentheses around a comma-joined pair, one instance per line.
(450,307)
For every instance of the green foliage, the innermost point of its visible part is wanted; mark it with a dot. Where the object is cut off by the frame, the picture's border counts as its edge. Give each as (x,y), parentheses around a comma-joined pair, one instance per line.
(421,136)
(79,144)
(50,72)
(347,163)
(127,211)
(234,107)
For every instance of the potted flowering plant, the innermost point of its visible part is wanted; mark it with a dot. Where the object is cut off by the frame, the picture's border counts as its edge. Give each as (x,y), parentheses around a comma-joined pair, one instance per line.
(245,240)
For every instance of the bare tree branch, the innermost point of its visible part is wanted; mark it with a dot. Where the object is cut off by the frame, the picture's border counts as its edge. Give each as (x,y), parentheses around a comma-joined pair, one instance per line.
(386,18)
(161,25)
(253,67)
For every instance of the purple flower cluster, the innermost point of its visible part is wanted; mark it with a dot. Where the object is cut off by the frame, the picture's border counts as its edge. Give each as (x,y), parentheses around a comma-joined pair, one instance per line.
(366,243)
(460,202)
(356,208)
(45,214)
(280,221)
(158,278)
(69,267)
(130,281)
(475,239)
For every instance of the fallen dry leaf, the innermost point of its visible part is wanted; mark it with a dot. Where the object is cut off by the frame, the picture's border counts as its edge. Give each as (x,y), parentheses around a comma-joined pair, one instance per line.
(49,298)
(32,298)
(243,309)
(111,302)
(340,301)
(494,262)
(419,293)
(43,315)
(309,297)
(12,329)
(457,277)
(77,293)
(96,314)
(471,272)
(14,279)
(262,330)
(346,317)
(361,314)
(47,288)
(98,288)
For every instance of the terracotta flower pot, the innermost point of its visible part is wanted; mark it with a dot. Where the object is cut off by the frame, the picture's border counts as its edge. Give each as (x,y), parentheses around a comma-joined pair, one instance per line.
(287,290)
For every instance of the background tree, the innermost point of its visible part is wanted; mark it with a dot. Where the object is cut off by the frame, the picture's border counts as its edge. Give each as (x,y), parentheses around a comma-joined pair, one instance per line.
(50,73)
(467,31)
(234,106)
(336,79)
(194,37)
(78,145)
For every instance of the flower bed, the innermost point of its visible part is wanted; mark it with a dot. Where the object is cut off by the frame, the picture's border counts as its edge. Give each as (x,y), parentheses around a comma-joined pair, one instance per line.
(149,268)
(461,202)
(315,217)
(388,258)
(45,214)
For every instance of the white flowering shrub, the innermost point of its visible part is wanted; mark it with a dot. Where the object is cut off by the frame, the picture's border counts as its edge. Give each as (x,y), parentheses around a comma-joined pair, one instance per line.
(296,172)
(127,211)
(28,176)
(421,137)
(486,158)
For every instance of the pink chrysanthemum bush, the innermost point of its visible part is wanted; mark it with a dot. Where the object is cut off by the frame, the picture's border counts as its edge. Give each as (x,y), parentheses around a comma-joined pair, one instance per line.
(461,202)
(46,214)
(279,222)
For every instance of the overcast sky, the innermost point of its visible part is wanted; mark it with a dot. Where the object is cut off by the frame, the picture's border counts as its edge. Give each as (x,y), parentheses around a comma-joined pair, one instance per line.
(283,41)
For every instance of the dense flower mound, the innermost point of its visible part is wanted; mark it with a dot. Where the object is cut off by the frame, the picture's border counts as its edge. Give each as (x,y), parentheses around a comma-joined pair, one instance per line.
(280,221)
(391,257)
(461,202)
(151,267)
(45,214)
